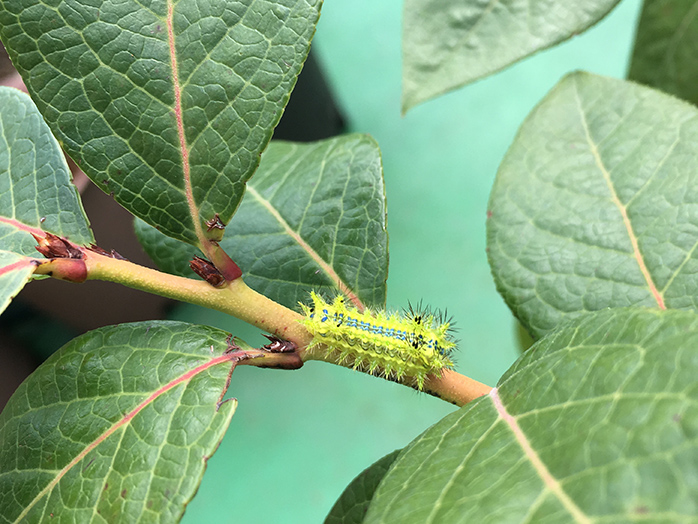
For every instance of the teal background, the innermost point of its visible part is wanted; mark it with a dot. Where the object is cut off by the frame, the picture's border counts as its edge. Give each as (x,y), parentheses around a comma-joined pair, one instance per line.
(298,438)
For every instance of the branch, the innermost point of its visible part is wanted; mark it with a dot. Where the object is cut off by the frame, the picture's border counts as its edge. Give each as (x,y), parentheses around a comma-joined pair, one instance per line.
(236,299)
(455,388)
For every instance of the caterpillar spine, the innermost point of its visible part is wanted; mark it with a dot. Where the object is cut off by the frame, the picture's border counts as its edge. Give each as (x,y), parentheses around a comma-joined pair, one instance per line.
(405,348)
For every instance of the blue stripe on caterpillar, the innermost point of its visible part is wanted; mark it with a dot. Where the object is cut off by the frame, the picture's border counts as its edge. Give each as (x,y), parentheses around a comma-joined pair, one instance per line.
(405,348)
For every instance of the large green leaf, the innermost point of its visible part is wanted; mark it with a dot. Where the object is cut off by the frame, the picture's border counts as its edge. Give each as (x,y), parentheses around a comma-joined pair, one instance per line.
(594,205)
(313,216)
(449,44)
(598,422)
(165,104)
(36,192)
(115,427)
(666,48)
(352,505)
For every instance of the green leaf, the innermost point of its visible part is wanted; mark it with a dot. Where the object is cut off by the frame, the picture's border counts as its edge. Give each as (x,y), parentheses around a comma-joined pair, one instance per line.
(598,422)
(314,216)
(352,505)
(168,104)
(593,205)
(170,255)
(117,426)
(665,48)
(36,191)
(523,338)
(15,271)
(446,45)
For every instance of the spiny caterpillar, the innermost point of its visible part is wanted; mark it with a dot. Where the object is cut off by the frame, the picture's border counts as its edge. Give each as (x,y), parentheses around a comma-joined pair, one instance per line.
(403,348)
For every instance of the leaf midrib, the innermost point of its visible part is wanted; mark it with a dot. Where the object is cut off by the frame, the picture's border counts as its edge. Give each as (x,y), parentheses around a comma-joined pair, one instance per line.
(19,264)
(328,270)
(550,482)
(128,417)
(656,294)
(133,85)
(21,226)
(179,118)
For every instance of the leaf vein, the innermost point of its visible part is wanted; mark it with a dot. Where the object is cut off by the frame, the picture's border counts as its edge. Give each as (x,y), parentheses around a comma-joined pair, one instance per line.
(550,482)
(621,208)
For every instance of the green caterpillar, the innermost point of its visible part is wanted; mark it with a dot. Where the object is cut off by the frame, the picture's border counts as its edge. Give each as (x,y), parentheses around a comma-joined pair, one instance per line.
(405,348)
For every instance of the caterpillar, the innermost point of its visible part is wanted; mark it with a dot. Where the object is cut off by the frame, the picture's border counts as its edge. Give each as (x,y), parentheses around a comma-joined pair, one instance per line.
(405,348)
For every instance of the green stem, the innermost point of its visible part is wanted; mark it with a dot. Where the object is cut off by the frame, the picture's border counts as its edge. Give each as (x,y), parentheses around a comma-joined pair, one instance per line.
(240,301)
(235,298)
(449,385)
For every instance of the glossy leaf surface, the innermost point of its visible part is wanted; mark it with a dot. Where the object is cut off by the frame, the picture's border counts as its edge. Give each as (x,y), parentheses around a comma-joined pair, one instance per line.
(165,104)
(352,505)
(666,48)
(598,422)
(594,204)
(449,44)
(117,426)
(36,191)
(170,255)
(314,216)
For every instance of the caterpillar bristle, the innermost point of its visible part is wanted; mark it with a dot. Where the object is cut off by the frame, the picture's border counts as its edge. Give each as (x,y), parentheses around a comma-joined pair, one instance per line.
(400,347)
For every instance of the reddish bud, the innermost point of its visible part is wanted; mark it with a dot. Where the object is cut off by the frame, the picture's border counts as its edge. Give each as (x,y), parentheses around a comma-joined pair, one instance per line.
(276,345)
(96,249)
(228,268)
(111,254)
(207,271)
(214,223)
(232,346)
(52,246)
(69,269)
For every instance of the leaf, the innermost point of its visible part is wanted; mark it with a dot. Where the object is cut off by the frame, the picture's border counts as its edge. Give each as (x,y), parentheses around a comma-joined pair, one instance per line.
(15,271)
(446,45)
(665,48)
(167,105)
(170,255)
(352,505)
(36,190)
(116,426)
(593,204)
(598,422)
(524,340)
(314,216)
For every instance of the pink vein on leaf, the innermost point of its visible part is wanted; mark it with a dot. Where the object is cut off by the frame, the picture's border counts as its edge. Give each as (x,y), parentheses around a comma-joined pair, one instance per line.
(21,226)
(128,417)
(550,482)
(20,264)
(179,117)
